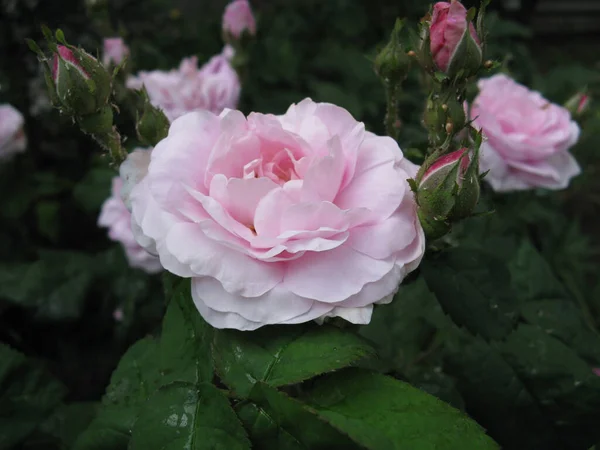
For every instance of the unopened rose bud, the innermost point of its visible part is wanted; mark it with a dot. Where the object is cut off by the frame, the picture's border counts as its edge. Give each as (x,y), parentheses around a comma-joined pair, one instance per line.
(392,63)
(237,20)
(448,190)
(114,51)
(455,46)
(579,104)
(82,84)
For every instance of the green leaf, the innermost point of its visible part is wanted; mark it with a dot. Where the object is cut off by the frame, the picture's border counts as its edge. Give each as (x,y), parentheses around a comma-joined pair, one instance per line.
(188,416)
(133,381)
(403,329)
(185,344)
(474,290)
(94,189)
(55,285)
(562,319)
(48,219)
(28,395)
(532,277)
(276,421)
(381,413)
(69,421)
(283,355)
(497,397)
(562,383)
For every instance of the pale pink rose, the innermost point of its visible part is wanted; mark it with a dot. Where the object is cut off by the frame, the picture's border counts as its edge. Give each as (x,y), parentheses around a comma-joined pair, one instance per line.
(12,136)
(238,18)
(527,137)
(132,171)
(114,52)
(118,315)
(213,87)
(280,220)
(448,24)
(117,218)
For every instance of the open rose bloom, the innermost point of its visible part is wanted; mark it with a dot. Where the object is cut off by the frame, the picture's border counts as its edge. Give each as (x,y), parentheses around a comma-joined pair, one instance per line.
(117,218)
(213,87)
(280,220)
(12,137)
(114,51)
(528,138)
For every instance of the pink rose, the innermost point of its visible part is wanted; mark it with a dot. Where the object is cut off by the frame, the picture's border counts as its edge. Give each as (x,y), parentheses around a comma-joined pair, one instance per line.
(280,220)
(115,51)
(115,216)
(238,18)
(132,171)
(213,87)
(12,137)
(448,25)
(528,137)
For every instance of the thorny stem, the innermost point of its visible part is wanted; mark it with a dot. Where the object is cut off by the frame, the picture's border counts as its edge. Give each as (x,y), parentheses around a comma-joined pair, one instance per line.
(111,142)
(391,115)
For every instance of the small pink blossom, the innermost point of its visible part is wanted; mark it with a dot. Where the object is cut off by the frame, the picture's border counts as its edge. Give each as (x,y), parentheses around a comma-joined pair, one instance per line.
(117,218)
(213,87)
(238,18)
(596,371)
(118,315)
(12,136)
(115,51)
(527,137)
(280,219)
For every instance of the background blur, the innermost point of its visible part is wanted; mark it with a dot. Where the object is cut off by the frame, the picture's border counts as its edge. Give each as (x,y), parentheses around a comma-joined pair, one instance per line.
(61,279)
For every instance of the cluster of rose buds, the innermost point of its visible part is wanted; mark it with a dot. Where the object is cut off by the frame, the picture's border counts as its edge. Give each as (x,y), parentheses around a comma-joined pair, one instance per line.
(80,86)
(451,52)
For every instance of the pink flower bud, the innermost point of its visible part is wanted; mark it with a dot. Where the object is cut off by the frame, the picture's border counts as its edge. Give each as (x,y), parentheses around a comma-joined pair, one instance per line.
(81,84)
(452,48)
(578,104)
(114,52)
(440,169)
(448,191)
(65,54)
(238,18)
(596,371)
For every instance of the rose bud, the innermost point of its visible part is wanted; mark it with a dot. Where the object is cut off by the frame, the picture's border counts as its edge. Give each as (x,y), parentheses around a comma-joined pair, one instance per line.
(455,46)
(152,124)
(392,63)
(579,104)
(237,20)
(81,83)
(448,191)
(115,51)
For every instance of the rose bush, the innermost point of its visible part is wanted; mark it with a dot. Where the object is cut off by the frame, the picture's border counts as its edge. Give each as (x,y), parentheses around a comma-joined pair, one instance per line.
(12,136)
(528,138)
(213,87)
(280,220)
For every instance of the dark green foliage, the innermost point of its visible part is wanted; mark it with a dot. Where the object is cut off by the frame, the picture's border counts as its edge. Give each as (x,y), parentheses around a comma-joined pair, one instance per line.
(502,324)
